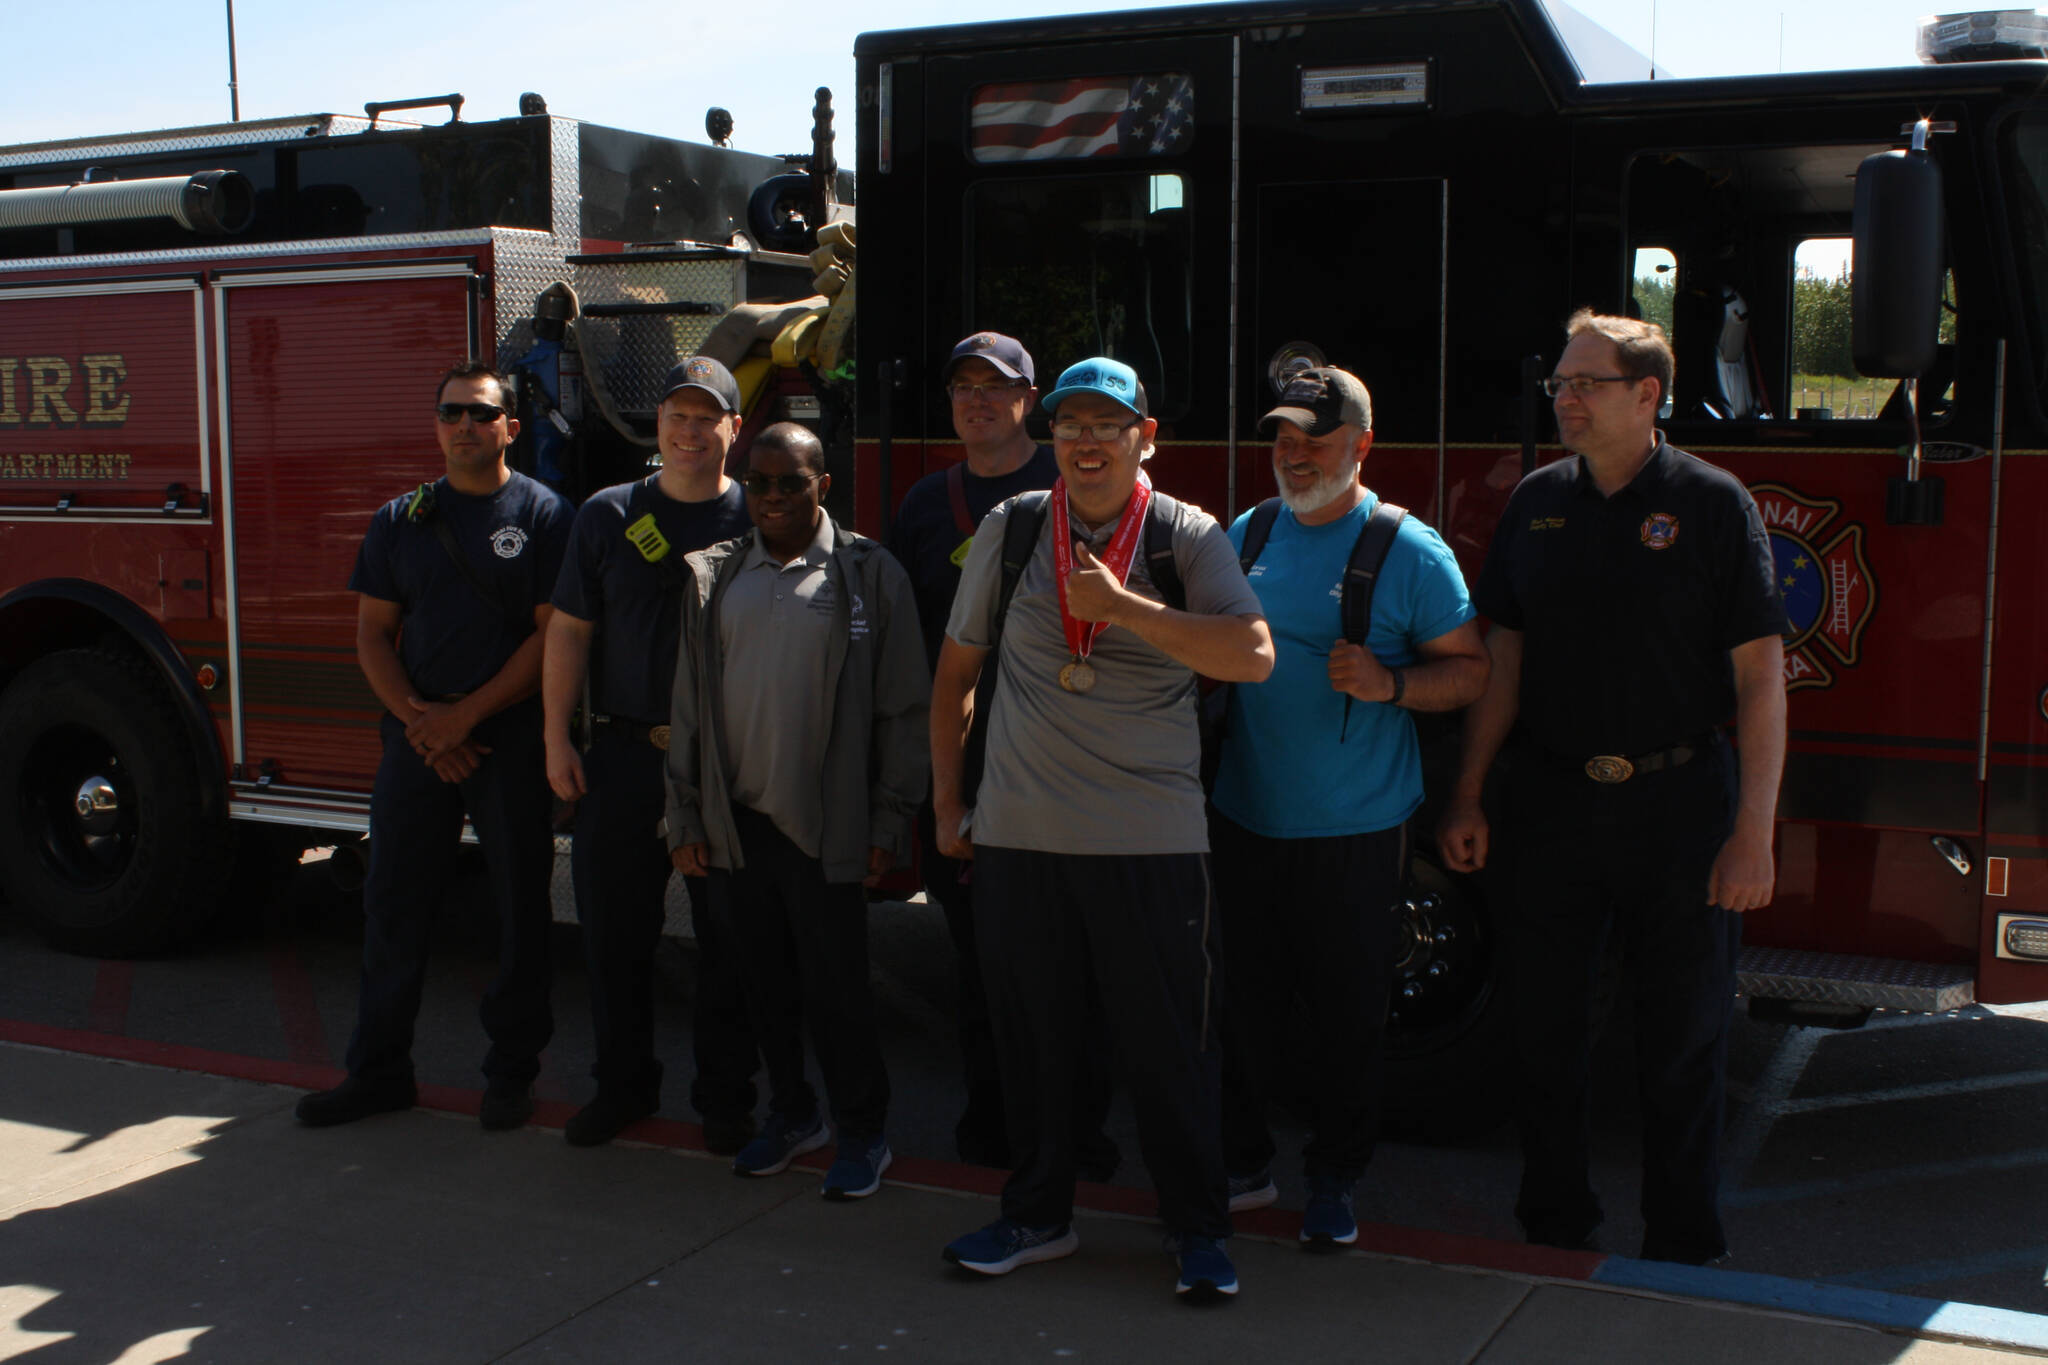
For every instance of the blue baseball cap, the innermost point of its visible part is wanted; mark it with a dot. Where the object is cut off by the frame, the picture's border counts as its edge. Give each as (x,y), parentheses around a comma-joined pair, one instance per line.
(1007,354)
(705,374)
(1100,374)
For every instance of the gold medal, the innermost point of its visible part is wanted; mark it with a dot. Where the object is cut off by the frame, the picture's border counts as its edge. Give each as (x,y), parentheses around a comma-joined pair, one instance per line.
(1078,676)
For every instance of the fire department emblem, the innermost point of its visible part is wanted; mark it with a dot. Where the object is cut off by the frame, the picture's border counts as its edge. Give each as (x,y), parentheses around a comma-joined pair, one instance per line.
(508,541)
(1825,582)
(1659,530)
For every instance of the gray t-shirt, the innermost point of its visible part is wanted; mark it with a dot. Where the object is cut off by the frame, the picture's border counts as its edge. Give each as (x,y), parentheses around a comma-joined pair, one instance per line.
(1115,770)
(775,624)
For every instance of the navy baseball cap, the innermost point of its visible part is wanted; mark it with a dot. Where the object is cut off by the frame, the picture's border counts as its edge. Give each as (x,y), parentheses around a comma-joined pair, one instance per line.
(1007,354)
(1321,400)
(702,372)
(1110,378)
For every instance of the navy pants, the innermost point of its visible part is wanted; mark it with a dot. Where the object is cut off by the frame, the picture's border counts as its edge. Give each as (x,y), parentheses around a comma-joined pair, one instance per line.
(621,869)
(1628,861)
(803,943)
(415,832)
(1052,927)
(1306,922)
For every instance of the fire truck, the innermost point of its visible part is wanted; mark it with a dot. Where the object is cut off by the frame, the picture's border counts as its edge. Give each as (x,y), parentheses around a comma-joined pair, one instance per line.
(1421,191)
(219,349)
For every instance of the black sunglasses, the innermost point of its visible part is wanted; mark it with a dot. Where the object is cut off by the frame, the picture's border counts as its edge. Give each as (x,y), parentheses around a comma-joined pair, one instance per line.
(483,414)
(789,485)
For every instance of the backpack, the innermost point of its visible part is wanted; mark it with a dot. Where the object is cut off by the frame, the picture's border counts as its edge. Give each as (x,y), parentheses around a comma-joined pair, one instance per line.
(1021,529)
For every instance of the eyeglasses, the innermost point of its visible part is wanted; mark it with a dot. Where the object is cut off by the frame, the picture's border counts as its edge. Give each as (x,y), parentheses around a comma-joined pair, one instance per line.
(483,414)
(1582,384)
(962,392)
(1104,432)
(789,485)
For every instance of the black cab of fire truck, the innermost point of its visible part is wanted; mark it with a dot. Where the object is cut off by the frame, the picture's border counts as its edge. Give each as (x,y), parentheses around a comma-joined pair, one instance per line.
(1422,193)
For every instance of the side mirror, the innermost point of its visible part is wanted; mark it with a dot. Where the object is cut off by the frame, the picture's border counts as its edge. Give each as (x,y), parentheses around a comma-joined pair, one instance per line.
(1895,292)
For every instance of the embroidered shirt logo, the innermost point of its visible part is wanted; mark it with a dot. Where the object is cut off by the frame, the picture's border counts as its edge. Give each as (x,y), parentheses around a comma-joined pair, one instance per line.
(508,541)
(1659,530)
(1545,523)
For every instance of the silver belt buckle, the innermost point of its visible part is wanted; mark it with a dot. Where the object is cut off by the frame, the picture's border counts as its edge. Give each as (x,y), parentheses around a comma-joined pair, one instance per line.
(657,735)
(1609,768)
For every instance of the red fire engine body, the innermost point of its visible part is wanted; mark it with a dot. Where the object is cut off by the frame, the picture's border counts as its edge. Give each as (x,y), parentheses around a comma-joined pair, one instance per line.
(1422,193)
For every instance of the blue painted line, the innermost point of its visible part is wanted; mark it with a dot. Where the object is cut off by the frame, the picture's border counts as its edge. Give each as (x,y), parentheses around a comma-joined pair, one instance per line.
(1939,1272)
(1968,1321)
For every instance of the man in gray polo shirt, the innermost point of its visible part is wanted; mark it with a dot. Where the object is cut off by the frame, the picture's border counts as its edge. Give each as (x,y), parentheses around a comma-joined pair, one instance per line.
(1088,829)
(796,763)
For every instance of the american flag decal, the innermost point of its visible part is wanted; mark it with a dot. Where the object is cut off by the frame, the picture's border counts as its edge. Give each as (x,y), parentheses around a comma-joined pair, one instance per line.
(1115,116)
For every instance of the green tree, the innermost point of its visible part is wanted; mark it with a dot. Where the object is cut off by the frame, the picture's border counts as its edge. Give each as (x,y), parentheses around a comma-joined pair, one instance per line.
(1653,298)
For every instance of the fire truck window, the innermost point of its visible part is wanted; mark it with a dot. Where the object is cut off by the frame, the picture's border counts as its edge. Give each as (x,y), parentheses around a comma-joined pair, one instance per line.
(1091,116)
(2027,168)
(1088,265)
(1825,384)
(1655,282)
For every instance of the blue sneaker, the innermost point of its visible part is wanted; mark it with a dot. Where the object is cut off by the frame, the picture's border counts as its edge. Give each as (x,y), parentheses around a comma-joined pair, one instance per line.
(857,1170)
(1254,1191)
(780,1143)
(1206,1274)
(1002,1246)
(1327,1223)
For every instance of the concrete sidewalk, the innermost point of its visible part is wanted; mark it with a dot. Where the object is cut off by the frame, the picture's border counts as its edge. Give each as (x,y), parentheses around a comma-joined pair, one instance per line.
(151,1214)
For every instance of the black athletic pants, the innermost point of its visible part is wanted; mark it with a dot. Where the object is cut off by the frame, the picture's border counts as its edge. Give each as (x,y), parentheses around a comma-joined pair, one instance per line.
(803,943)
(1141,925)
(1631,860)
(982,1134)
(415,832)
(621,869)
(1308,920)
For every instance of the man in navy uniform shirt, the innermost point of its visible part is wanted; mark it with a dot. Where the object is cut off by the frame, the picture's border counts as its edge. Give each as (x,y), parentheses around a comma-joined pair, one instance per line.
(1635,609)
(990,387)
(621,590)
(452,586)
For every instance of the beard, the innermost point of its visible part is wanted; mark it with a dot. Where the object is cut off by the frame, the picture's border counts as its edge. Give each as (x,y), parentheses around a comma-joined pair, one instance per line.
(1319,494)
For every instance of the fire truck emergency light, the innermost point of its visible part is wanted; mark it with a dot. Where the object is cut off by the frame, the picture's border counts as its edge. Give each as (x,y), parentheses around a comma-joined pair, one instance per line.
(1983,36)
(2024,937)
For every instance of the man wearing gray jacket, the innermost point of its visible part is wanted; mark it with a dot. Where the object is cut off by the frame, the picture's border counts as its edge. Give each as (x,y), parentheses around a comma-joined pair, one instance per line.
(798,754)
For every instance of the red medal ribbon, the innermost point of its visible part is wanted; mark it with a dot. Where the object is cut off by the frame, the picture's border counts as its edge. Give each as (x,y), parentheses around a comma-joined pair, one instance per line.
(1118,558)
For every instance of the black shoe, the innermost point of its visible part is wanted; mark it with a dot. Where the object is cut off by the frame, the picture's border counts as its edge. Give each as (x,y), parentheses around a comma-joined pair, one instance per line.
(728,1134)
(355,1099)
(605,1117)
(506,1105)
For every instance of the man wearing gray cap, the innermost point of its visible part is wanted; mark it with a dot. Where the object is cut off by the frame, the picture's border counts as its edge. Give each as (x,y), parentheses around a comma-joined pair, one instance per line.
(1370,621)
(618,608)
(1087,826)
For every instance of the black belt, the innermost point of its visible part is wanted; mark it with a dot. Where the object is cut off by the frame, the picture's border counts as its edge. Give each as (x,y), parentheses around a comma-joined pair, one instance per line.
(1612,768)
(656,735)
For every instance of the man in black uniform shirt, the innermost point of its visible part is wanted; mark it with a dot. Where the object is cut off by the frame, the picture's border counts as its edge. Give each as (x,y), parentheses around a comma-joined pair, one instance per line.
(1635,609)
(990,385)
(622,585)
(452,583)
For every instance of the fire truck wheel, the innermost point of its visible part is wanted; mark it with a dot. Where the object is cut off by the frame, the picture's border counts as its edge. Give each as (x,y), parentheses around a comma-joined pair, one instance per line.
(775,213)
(1450,1052)
(105,847)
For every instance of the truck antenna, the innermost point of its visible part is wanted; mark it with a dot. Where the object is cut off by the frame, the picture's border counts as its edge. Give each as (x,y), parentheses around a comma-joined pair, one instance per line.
(234,95)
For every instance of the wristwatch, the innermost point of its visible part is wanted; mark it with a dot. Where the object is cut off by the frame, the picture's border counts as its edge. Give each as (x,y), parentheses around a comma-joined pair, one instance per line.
(1400,686)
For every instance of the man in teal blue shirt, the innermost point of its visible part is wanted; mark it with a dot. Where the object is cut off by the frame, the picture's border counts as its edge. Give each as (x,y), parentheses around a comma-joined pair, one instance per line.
(1319,773)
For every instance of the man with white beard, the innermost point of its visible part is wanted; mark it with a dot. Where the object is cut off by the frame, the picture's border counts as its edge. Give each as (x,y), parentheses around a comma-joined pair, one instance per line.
(1318,775)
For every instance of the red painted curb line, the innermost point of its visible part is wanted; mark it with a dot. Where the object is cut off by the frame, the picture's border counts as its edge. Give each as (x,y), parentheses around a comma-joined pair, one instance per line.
(1386,1239)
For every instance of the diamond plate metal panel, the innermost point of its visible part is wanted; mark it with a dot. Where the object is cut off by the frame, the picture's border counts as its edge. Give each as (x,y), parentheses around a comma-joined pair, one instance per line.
(524,263)
(187,139)
(636,352)
(1840,979)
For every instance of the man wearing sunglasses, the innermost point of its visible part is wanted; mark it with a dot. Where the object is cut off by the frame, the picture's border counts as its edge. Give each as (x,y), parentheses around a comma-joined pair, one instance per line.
(989,382)
(617,621)
(1306,887)
(452,585)
(796,761)
(1635,609)
(1089,841)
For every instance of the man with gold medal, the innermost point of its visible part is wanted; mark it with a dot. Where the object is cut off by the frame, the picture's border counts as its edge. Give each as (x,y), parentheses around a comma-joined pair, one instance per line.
(1087,825)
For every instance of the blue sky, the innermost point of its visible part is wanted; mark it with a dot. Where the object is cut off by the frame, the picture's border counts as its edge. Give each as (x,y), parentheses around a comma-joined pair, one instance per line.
(656,65)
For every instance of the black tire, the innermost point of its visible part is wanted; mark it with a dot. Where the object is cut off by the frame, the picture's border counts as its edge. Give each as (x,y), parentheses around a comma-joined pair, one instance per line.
(1450,1044)
(147,868)
(776,212)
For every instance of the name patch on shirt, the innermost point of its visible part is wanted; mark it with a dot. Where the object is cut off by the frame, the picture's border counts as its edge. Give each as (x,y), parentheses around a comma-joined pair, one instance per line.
(1545,523)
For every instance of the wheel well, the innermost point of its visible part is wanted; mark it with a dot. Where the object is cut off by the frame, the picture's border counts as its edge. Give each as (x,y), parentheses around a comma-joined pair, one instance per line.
(41,618)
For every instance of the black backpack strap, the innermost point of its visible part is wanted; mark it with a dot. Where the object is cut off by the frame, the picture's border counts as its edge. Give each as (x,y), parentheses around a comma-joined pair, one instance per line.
(1362,577)
(1257,531)
(1021,528)
(1159,561)
(645,537)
